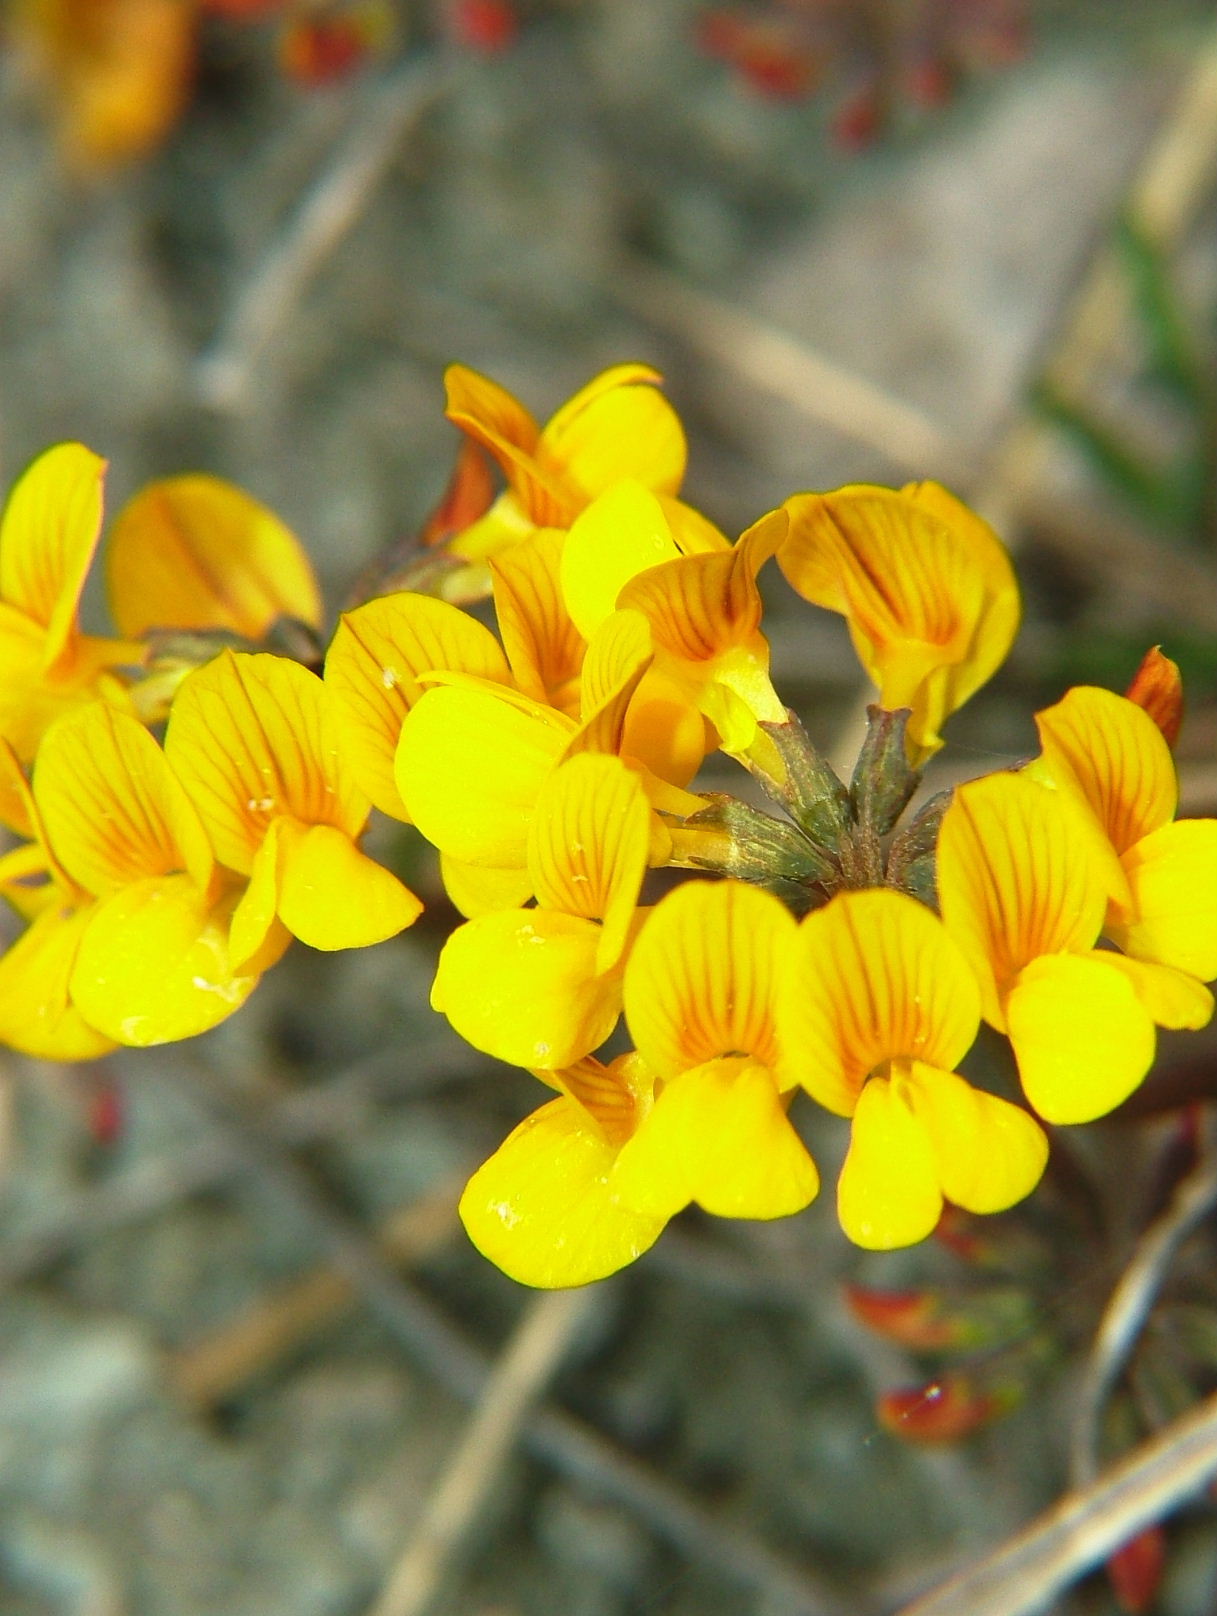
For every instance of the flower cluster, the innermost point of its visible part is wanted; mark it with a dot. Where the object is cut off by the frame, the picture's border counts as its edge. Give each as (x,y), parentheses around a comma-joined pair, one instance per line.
(835,948)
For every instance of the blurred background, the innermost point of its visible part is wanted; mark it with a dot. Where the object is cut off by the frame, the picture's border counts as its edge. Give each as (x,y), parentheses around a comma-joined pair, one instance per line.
(242,1335)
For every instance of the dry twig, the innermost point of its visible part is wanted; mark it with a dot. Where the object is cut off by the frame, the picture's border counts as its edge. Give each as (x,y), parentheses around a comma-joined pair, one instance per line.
(520,1375)
(1130,1305)
(1081,1530)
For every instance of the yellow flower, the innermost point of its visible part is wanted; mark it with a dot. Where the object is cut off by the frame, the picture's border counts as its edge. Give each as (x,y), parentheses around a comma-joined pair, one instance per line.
(619,425)
(48,534)
(130,944)
(474,755)
(1024,885)
(196,553)
(878,1007)
(587,1183)
(254,740)
(1113,753)
(924,584)
(701,600)
(541,987)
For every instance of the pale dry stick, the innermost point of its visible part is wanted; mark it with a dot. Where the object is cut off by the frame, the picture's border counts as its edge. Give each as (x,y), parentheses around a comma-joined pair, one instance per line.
(787,368)
(330,208)
(523,1370)
(559,1439)
(1083,1528)
(211,1369)
(1129,1306)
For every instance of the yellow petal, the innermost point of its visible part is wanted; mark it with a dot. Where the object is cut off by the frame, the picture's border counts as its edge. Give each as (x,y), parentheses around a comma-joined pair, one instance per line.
(492,417)
(1173,915)
(543,645)
(475,889)
(373,665)
(504,525)
(926,586)
(694,533)
(1016,879)
(664,728)
(469,767)
(588,846)
(1172,998)
(699,605)
(888,1193)
(702,977)
(37,1015)
(196,552)
(1082,1038)
(153,964)
(255,915)
(1117,756)
(521,984)
(333,896)
(253,738)
(616,1096)
(873,977)
(541,1208)
(615,429)
(17,810)
(989,1153)
(48,534)
(718,1135)
(620,534)
(111,806)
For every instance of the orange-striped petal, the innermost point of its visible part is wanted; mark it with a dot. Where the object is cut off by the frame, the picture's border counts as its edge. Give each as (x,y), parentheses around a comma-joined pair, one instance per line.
(196,552)
(620,534)
(888,1194)
(1157,686)
(373,668)
(543,645)
(541,1208)
(871,978)
(988,1153)
(37,1015)
(501,424)
(469,767)
(330,895)
(521,984)
(1172,918)
(702,977)
(153,964)
(588,846)
(718,1135)
(254,738)
(48,534)
(1082,1038)
(1117,756)
(619,426)
(1017,877)
(925,585)
(111,806)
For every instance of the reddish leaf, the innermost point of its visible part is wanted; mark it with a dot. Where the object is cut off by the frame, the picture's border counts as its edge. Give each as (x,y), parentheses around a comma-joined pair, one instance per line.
(469,494)
(913,1318)
(941,1411)
(488,26)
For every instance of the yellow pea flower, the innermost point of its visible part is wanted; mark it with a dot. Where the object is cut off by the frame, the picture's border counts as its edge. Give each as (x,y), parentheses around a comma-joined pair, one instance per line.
(924,585)
(474,755)
(619,425)
(543,1207)
(1024,886)
(196,553)
(48,534)
(878,1007)
(541,987)
(700,996)
(586,1184)
(1113,753)
(254,740)
(704,610)
(133,940)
